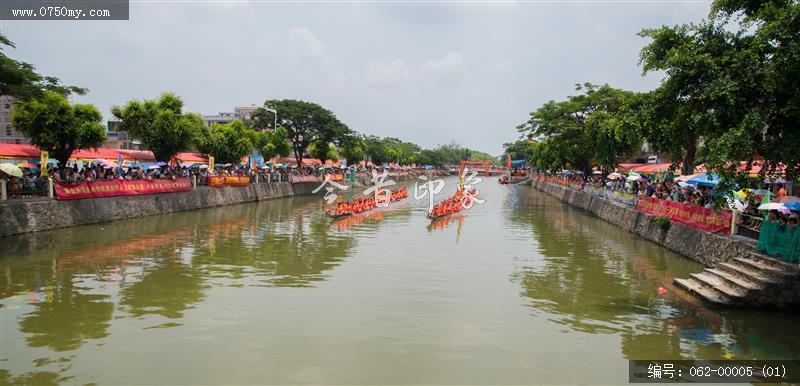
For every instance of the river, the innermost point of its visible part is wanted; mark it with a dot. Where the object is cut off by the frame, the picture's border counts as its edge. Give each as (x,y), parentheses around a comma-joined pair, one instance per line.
(520,289)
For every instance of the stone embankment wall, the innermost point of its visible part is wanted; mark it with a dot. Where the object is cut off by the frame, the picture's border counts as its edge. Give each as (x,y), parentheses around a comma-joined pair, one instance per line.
(25,216)
(33,216)
(706,248)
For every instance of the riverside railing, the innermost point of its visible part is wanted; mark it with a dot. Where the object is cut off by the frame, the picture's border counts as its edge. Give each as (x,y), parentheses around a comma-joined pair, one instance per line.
(709,220)
(44,187)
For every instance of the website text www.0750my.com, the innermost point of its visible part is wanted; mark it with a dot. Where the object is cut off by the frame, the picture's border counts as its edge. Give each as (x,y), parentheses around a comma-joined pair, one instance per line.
(60,12)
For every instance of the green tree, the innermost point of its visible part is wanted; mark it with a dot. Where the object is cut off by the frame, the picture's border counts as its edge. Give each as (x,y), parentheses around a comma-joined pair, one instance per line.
(160,124)
(476,155)
(273,143)
(352,148)
(570,136)
(228,143)
(262,119)
(307,123)
(692,102)
(20,80)
(323,151)
(761,73)
(616,134)
(57,127)
(376,150)
(521,149)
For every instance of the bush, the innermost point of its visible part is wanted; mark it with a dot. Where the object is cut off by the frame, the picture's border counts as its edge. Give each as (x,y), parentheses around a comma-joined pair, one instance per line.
(662,222)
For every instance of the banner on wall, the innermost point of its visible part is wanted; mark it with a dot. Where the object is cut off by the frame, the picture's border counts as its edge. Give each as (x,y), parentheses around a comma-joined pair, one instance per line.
(43,164)
(110,188)
(691,215)
(220,181)
(621,197)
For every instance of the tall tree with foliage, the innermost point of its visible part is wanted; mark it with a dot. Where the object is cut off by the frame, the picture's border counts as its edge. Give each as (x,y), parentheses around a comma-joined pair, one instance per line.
(352,148)
(570,135)
(273,143)
(56,126)
(160,124)
(617,135)
(306,123)
(762,75)
(693,101)
(323,151)
(228,143)
(261,119)
(20,80)
(521,149)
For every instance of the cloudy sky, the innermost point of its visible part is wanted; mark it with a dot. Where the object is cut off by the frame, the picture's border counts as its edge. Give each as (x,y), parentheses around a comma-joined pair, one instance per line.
(425,72)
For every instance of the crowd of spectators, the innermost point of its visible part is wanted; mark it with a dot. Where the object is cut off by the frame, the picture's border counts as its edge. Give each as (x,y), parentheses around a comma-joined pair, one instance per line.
(672,190)
(32,184)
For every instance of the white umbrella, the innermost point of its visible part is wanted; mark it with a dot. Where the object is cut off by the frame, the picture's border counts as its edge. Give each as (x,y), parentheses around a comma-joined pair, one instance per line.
(11,169)
(771,206)
(204,166)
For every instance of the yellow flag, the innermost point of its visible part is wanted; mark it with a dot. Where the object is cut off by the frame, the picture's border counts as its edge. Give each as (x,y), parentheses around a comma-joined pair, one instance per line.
(45,158)
(211,163)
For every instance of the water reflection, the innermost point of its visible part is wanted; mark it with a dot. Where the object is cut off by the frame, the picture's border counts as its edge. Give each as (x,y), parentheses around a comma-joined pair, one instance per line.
(304,299)
(280,244)
(67,316)
(66,285)
(168,287)
(593,278)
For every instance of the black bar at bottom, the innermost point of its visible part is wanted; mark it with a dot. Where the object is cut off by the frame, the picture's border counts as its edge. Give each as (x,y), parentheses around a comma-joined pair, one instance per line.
(714,371)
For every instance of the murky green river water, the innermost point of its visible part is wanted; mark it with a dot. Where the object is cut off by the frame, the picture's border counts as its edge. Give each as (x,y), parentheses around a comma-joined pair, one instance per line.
(521,289)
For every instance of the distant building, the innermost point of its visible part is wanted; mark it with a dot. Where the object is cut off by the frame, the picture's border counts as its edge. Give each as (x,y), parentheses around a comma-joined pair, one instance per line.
(242,113)
(647,155)
(245,113)
(219,119)
(117,139)
(7,132)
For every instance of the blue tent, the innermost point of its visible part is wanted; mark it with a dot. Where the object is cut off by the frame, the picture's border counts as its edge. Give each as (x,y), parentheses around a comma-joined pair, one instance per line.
(518,161)
(705,180)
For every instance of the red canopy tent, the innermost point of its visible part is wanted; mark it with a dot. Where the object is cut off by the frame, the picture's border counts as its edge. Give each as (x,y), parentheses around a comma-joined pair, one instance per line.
(30,152)
(14,151)
(651,168)
(306,161)
(627,167)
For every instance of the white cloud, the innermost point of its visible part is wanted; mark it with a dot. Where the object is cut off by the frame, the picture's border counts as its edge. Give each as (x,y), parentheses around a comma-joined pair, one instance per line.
(451,62)
(387,73)
(302,42)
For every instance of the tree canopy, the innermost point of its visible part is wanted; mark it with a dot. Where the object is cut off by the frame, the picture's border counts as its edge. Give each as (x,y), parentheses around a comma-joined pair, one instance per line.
(273,143)
(569,131)
(20,80)
(305,123)
(56,126)
(228,143)
(520,149)
(160,124)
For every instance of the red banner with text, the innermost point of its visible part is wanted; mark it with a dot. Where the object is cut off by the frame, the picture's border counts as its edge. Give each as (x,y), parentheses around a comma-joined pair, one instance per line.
(691,215)
(109,188)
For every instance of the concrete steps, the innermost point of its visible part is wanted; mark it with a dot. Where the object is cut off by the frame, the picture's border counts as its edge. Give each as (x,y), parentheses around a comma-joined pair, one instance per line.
(701,291)
(741,281)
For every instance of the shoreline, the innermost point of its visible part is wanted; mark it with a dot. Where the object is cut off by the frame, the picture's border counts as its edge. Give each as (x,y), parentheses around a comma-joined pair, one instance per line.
(30,216)
(735,275)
